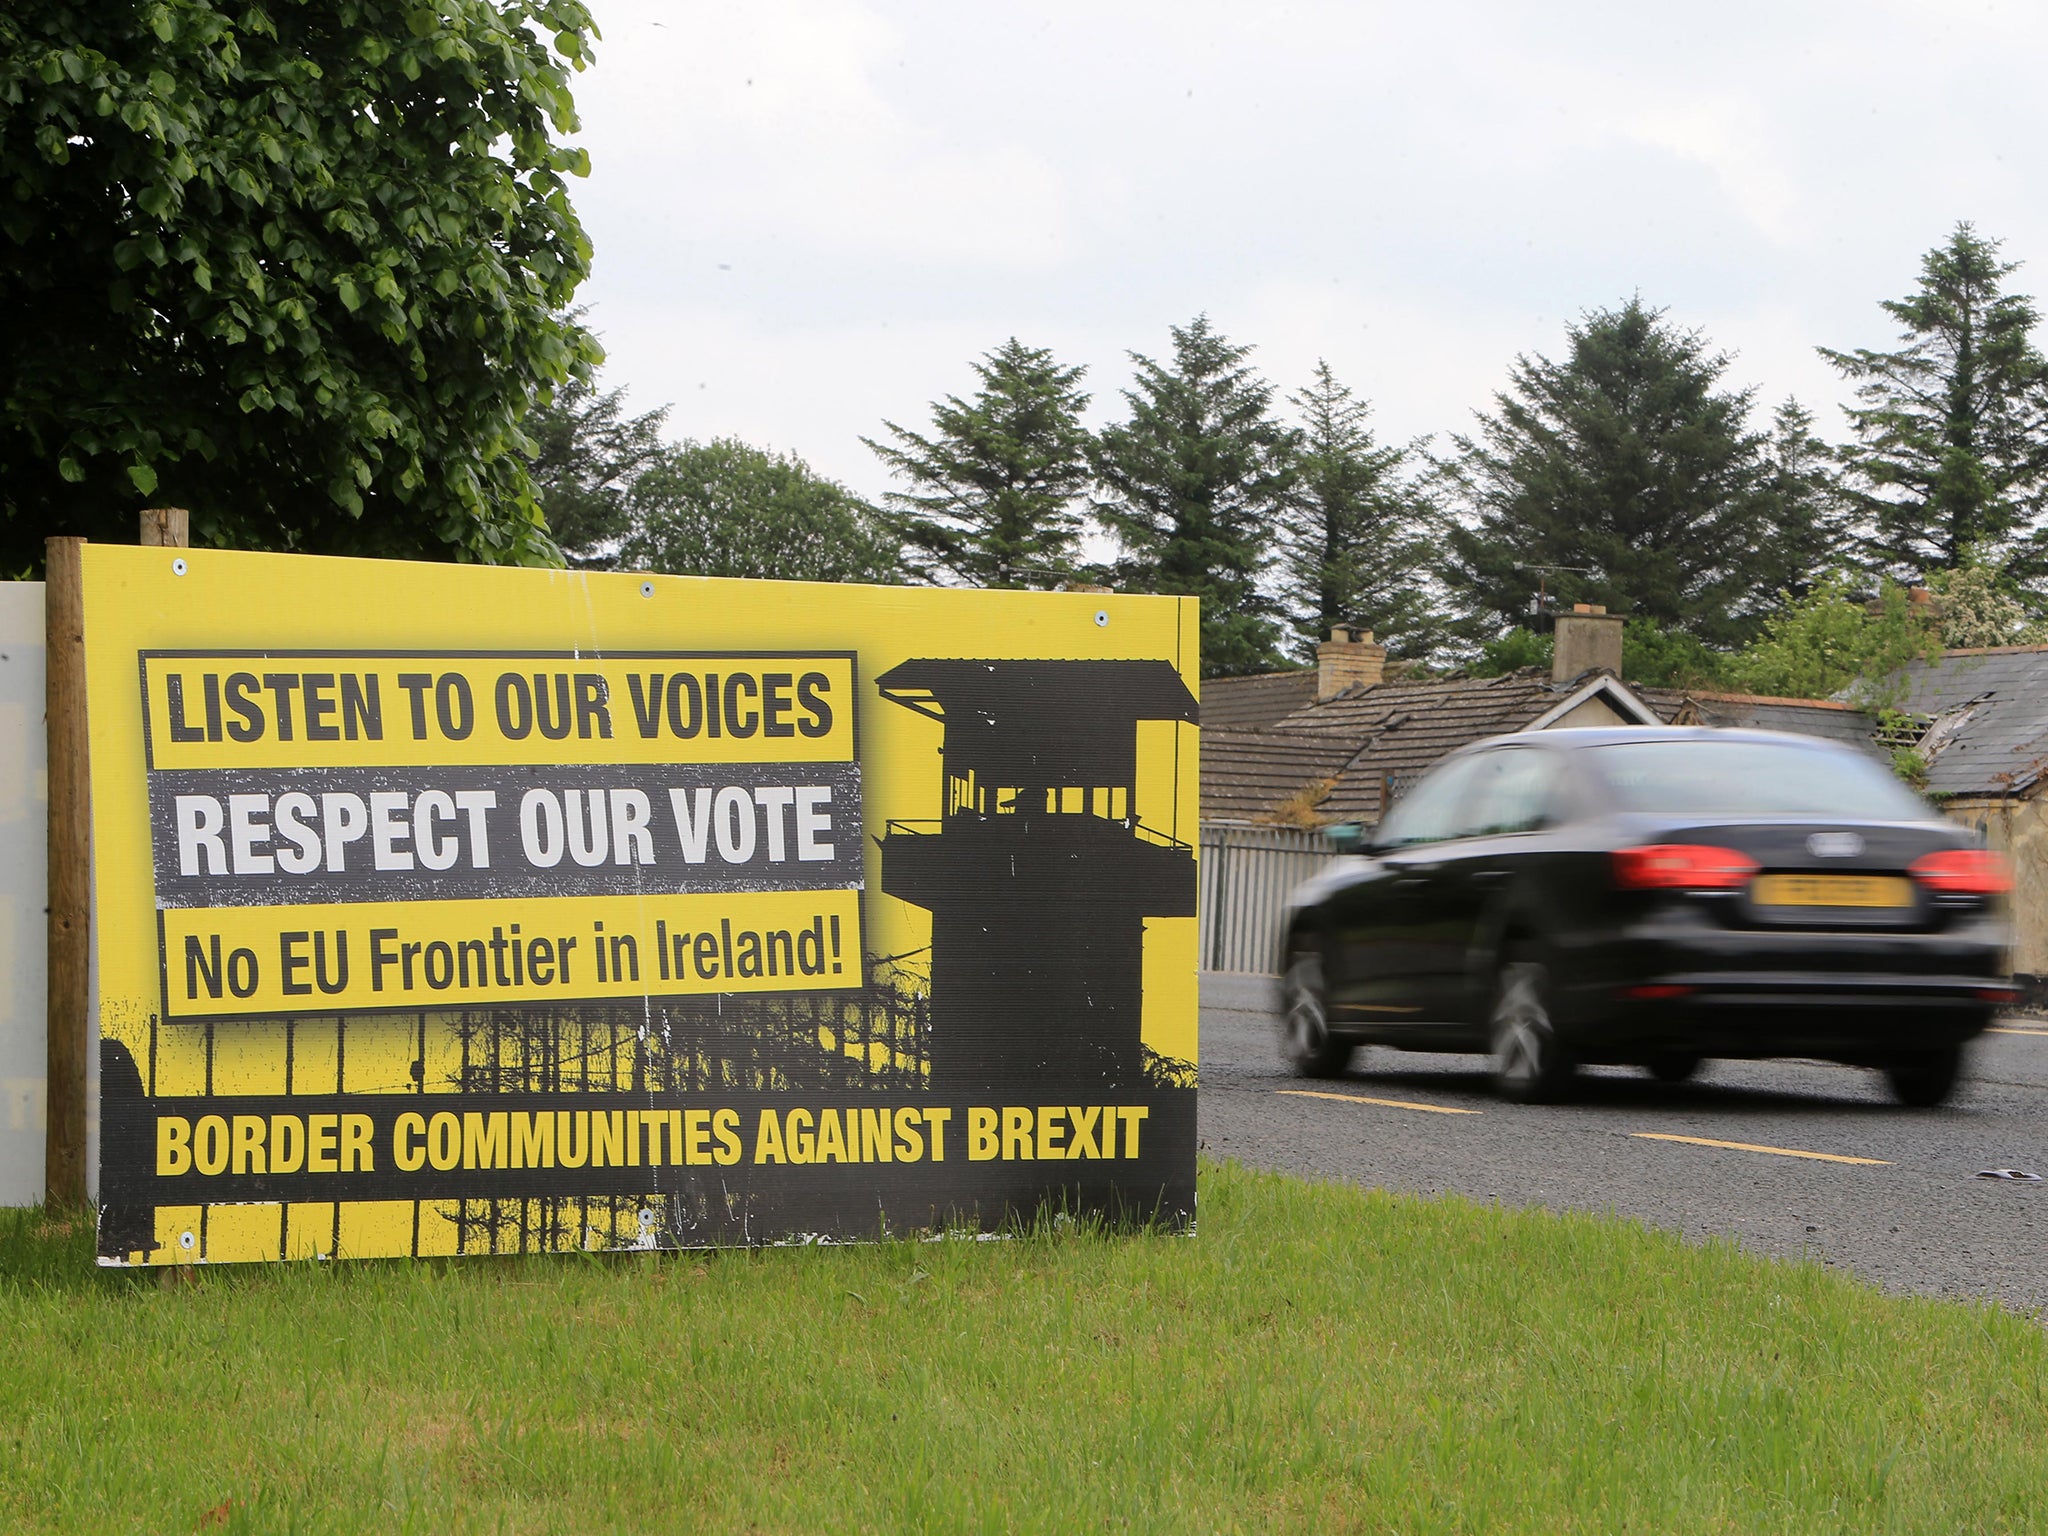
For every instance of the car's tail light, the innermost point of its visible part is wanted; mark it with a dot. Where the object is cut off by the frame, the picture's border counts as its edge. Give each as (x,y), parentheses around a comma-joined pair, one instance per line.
(1682,867)
(1964,872)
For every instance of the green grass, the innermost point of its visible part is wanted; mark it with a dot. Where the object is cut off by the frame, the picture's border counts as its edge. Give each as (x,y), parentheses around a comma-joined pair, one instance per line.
(1319,1358)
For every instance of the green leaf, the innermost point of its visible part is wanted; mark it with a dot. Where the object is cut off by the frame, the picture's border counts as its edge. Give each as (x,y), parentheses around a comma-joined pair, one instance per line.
(143,478)
(215,327)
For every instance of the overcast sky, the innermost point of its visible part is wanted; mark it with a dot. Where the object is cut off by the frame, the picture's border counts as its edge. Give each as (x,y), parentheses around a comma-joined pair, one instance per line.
(811,215)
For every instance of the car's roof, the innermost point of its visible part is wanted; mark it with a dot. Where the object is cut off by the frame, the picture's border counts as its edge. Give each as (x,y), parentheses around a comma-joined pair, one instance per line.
(1611,735)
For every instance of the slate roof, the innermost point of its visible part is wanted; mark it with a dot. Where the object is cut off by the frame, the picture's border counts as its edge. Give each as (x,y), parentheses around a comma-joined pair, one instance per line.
(1259,700)
(1248,776)
(1989,713)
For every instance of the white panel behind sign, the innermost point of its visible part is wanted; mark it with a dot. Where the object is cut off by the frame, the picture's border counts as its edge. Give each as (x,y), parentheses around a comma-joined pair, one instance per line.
(24,804)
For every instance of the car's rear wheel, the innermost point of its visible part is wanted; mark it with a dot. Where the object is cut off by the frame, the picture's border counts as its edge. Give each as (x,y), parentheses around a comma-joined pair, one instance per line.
(1305,1038)
(1530,1063)
(1673,1067)
(1927,1078)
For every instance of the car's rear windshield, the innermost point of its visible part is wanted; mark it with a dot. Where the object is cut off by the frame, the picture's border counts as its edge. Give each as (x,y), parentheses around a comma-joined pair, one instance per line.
(1706,777)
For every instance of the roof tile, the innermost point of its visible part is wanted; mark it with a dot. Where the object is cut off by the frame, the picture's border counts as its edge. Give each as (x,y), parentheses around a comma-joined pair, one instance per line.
(1258,700)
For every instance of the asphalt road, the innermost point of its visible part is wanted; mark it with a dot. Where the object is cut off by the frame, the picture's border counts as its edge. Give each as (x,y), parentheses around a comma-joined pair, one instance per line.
(1915,1218)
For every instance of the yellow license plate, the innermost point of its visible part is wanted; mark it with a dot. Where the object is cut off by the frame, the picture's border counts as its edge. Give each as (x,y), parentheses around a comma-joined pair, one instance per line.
(1831,891)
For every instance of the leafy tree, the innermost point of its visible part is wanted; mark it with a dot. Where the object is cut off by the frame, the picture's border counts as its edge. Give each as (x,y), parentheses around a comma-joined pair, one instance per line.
(1951,448)
(1979,606)
(995,486)
(1356,540)
(1668,658)
(1512,651)
(726,508)
(589,452)
(1834,639)
(1624,458)
(1194,483)
(300,268)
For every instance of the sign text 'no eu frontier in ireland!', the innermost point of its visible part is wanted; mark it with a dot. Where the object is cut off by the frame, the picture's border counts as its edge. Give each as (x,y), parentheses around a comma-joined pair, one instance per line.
(346,833)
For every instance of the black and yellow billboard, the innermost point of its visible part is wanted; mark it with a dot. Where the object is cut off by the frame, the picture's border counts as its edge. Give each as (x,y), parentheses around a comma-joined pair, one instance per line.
(456,910)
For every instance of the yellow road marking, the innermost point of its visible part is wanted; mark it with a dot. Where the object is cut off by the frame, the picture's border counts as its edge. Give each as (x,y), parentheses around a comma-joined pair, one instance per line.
(2012,1029)
(1353,1098)
(1750,1146)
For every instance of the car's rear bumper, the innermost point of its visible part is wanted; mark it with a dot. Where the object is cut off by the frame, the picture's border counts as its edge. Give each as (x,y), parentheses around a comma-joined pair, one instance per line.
(1682,987)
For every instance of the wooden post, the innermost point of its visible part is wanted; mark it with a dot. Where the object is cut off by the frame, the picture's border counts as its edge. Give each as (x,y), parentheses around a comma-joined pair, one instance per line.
(70,891)
(168,527)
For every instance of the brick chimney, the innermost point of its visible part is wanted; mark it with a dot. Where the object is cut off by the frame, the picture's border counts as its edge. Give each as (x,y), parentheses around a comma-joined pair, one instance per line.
(1348,659)
(1587,637)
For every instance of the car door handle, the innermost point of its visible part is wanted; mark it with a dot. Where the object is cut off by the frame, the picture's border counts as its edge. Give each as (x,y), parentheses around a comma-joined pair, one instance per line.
(1489,877)
(1409,883)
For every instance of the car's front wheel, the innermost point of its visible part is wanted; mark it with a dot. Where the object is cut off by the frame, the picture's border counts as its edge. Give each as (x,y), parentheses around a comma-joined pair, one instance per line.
(1530,1064)
(1305,1038)
(1926,1078)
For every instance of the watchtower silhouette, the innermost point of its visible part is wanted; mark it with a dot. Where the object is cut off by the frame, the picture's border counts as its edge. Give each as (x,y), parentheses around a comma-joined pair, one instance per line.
(1039,876)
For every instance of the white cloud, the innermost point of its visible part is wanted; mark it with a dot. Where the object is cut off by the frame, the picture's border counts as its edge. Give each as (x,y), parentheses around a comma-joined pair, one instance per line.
(820,210)
(777,123)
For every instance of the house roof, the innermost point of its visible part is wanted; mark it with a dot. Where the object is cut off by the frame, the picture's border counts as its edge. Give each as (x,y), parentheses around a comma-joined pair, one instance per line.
(1368,743)
(1828,719)
(1252,776)
(1989,719)
(1259,700)
(1399,730)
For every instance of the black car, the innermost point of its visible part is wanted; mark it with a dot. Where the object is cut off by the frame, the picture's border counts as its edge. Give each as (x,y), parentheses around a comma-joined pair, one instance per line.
(1653,897)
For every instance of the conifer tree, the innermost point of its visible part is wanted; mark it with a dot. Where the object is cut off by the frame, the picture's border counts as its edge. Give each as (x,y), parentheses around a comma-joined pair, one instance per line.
(1624,458)
(1951,450)
(1194,482)
(994,489)
(1356,537)
(1806,502)
(588,454)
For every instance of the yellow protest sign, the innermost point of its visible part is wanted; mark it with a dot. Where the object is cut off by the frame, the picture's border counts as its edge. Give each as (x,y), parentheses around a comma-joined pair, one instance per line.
(457,910)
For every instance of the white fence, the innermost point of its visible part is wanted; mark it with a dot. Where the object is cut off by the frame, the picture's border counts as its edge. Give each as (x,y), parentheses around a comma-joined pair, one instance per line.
(24,802)
(1246,875)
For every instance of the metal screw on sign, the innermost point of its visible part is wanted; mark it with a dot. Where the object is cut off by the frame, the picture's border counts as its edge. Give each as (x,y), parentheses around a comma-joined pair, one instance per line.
(1102,618)
(647,589)
(646,1218)
(2015,1175)
(178,566)
(186,1241)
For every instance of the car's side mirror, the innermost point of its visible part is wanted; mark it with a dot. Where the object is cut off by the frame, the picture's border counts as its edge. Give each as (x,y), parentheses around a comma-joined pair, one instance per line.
(1346,837)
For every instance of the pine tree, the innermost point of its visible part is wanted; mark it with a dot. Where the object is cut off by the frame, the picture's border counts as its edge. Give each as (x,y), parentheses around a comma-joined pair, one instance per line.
(1951,450)
(1194,482)
(1806,501)
(1624,459)
(1356,539)
(995,486)
(588,454)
